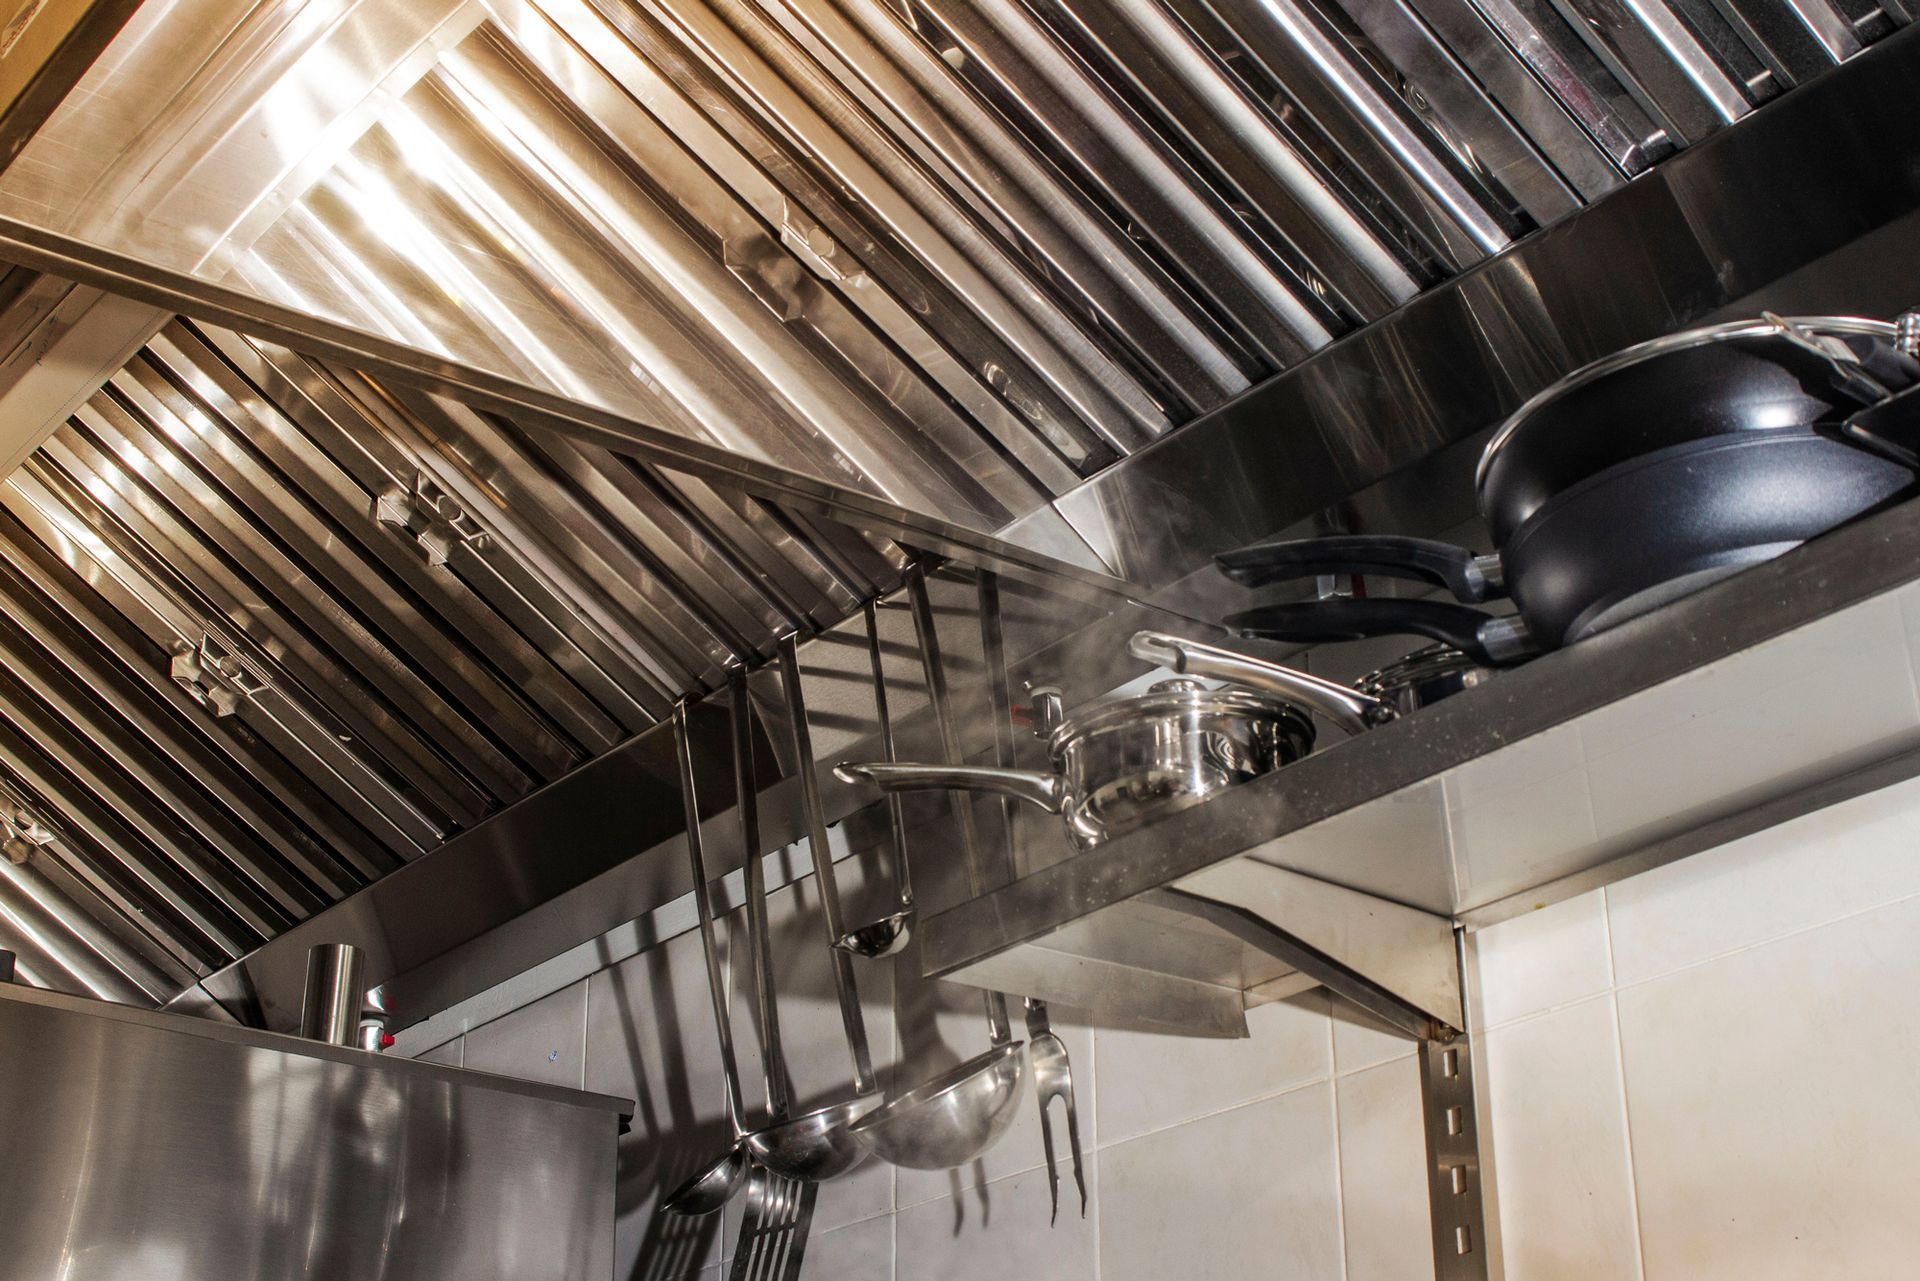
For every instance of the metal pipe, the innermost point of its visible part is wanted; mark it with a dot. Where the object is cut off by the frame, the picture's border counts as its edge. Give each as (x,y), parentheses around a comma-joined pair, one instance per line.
(336,988)
(97,962)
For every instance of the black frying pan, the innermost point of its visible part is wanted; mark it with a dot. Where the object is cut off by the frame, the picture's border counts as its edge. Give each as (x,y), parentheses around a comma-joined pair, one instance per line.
(1591,539)
(1724,380)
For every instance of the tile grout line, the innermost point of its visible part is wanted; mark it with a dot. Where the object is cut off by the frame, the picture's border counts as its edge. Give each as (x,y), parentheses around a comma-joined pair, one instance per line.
(1606,937)
(1626,1127)
(1295,1088)
(1339,1167)
(1092,1095)
(1617,987)
(1413,1048)
(586,1012)
(1757,944)
(1519,1019)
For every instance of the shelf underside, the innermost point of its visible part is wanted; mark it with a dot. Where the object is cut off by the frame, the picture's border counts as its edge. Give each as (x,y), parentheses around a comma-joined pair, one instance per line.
(1764,696)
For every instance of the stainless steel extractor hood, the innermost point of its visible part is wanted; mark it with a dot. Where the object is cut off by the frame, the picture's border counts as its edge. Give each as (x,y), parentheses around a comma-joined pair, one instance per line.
(277,625)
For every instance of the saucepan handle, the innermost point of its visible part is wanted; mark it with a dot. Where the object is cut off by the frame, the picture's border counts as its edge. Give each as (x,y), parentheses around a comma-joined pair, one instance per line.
(1493,641)
(1467,576)
(1347,708)
(1048,791)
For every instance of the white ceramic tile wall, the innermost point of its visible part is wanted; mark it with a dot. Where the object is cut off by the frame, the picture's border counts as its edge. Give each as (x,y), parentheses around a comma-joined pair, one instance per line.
(1810,704)
(1383,1196)
(1712,1070)
(1296,1152)
(545,1041)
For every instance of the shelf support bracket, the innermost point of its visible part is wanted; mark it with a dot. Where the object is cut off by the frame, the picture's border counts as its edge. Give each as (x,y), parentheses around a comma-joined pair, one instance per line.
(1396,962)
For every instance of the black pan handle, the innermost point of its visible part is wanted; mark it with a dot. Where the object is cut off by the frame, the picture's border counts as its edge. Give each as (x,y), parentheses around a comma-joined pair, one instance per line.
(1467,576)
(1890,429)
(1886,364)
(1496,642)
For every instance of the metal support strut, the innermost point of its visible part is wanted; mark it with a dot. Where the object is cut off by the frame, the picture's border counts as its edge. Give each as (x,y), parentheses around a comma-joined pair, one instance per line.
(1453,1160)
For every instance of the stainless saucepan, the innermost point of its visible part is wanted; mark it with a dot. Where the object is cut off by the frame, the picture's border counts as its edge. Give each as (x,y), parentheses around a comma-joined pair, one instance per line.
(1123,764)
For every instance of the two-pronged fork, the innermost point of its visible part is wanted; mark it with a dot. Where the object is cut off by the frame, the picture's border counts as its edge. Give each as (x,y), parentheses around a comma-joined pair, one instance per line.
(1053,1079)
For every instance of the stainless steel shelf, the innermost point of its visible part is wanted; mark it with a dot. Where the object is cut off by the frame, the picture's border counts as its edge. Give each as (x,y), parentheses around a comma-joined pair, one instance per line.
(1765,696)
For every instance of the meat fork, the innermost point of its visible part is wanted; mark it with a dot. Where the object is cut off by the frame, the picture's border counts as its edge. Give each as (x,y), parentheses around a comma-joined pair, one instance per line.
(1053,1079)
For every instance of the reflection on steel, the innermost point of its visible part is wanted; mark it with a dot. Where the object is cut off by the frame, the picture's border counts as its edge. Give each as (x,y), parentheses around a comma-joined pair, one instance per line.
(1393,961)
(1700,232)
(69,946)
(594,850)
(237,695)
(479,391)
(956,253)
(561,442)
(1077,963)
(336,985)
(618,815)
(65,44)
(243,1154)
(1378,402)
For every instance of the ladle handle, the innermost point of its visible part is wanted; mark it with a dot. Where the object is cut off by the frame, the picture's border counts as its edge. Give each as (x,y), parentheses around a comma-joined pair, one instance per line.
(703,901)
(896,818)
(1000,1031)
(843,981)
(993,650)
(773,1059)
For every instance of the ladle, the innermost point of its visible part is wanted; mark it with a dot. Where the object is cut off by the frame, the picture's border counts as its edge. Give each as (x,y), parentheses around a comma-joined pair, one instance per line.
(815,1146)
(961,1113)
(890,933)
(712,1187)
